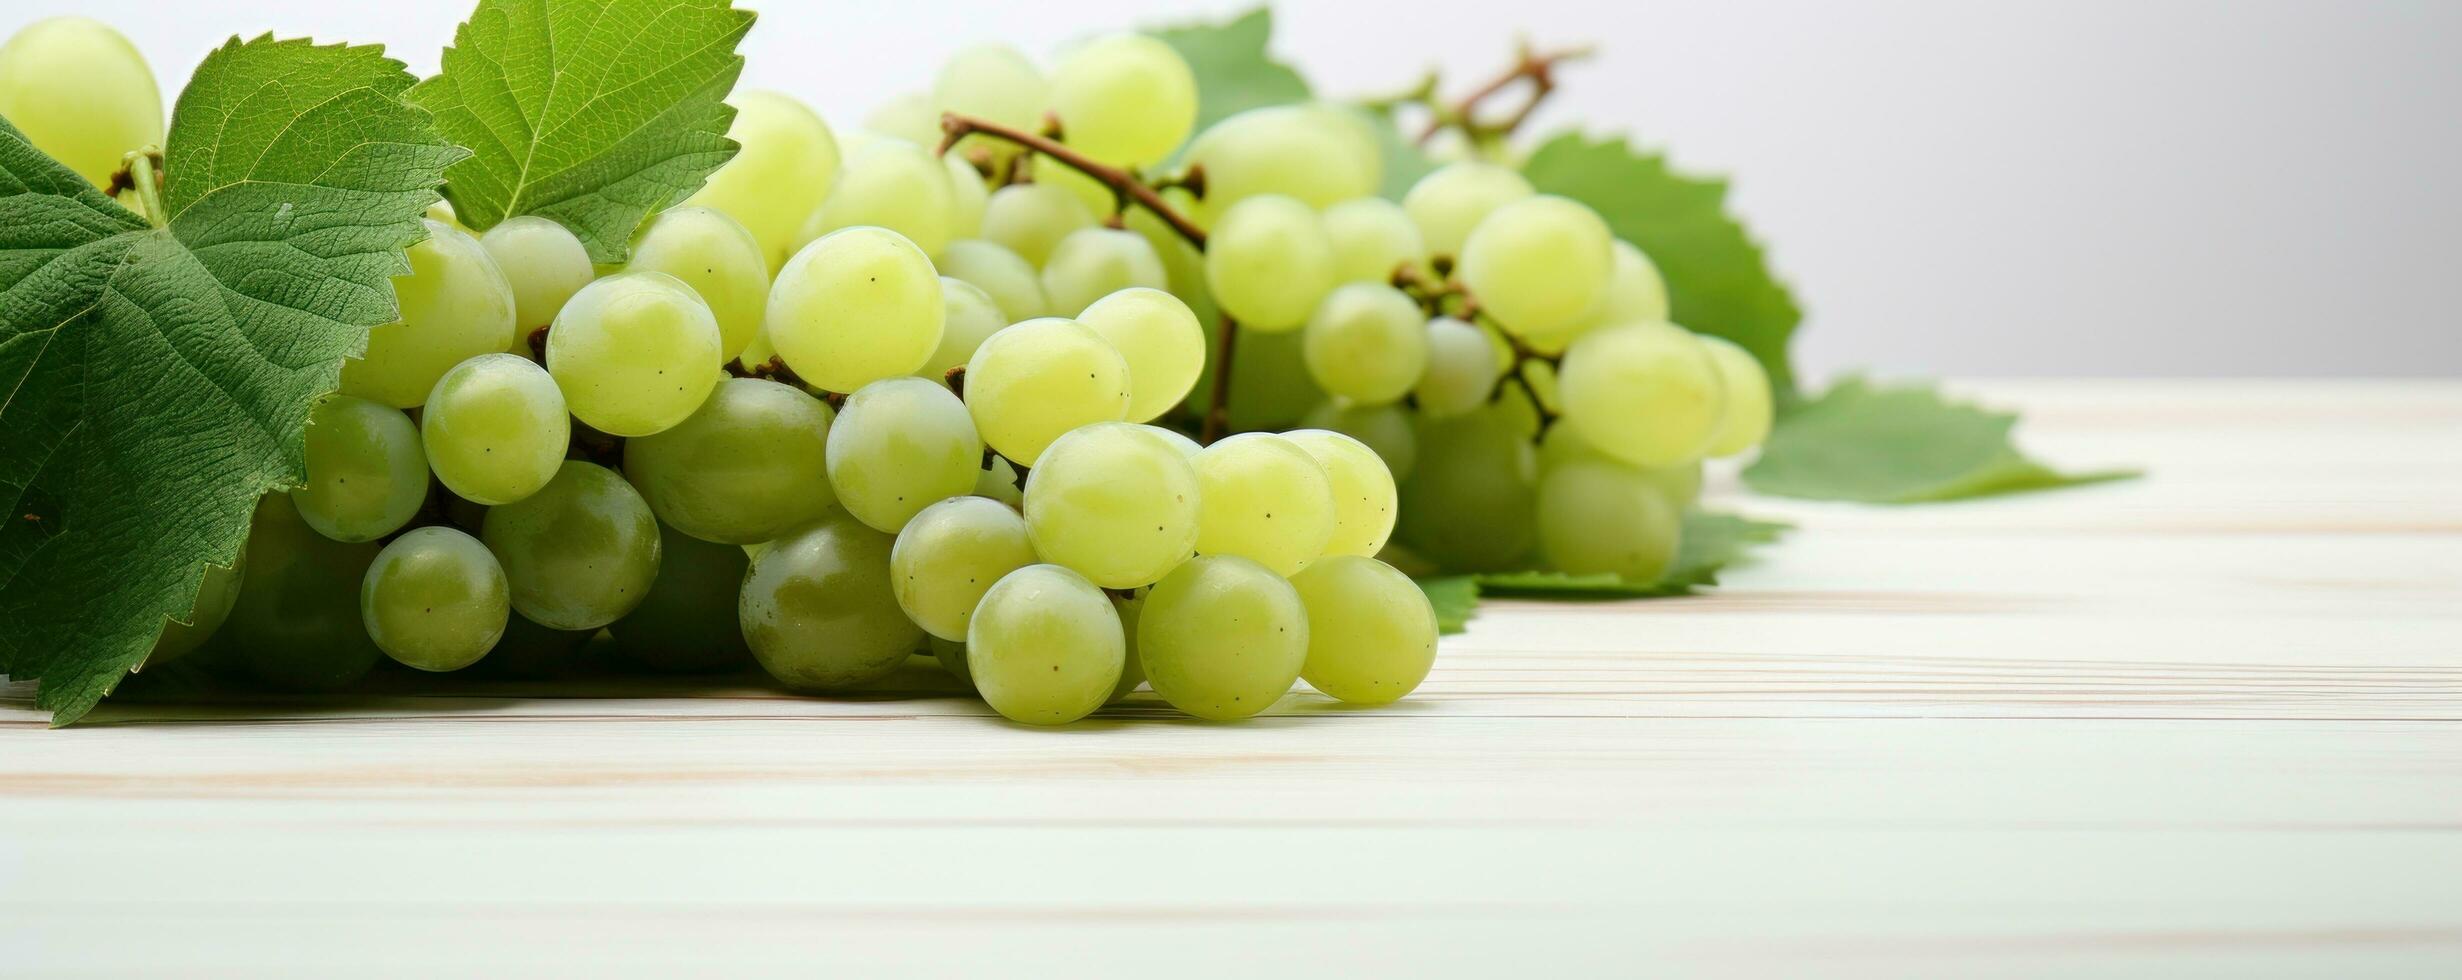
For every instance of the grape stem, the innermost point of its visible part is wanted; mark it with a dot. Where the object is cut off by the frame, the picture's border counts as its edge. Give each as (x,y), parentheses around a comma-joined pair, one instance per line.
(1218,407)
(1519,373)
(141,171)
(1537,67)
(1123,184)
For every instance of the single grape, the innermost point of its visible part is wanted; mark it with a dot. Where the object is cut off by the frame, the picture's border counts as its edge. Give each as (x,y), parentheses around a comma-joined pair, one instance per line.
(1467,505)
(435,599)
(495,428)
(580,553)
(1462,370)
(1453,199)
(1268,262)
(818,611)
(969,196)
(992,81)
(455,305)
(1604,517)
(1096,262)
(1385,429)
(634,353)
(1366,342)
(1008,279)
(217,591)
(1161,341)
(749,466)
(1222,637)
(1680,484)
(542,263)
(949,555)
(1124,99)
(366,473)
(1747,419)
(686,624)
(1317,153)
(854,307)
(719,259)
(1034,381)
(1115,503)
(1031,219)
(892,184)
(1646,393)
(1371,631)
(1373,238)
(1539,263)
(296,624)
(80,92)
(786,162)
(1364,496)
(1045,647)
(900,445)
(1262,497)
(968,319)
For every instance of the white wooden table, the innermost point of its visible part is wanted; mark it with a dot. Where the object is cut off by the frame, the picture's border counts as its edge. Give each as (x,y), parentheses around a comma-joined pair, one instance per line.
(2204,724)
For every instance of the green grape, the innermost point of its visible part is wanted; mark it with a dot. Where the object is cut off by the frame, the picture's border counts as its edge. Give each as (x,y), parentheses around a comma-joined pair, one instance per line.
(908,116)
(1132,670)
(749,466)
(1449,202)
(784,166)
(900,445)
(1115,503)
(1385,429)
(686,624)
(1602,517)
(1747,419)
(969,318)
(1222,637)
(1031,219)
(1096,262)
(1468,505)
(634,353)
(1649,394)
(992,81)
(854,307)
(580,553)
(1372,238)
(1317,153)
(969,196)
(1561,446)
(719,259)
(1364,495)
(495,429)
(1462,370)
(217,590)
(1161,341)
(296,624)
(542,263)
(80,92)
(949,555)
(1124,99)
(818,611)
(529,650)
(952,657)
(366,473)
(1268,262)
(998,481)
(1262,497)
(455,305)
(1636,292)
(1008,279)
(1538,264)
(435,599)
(1034,381)
(1366,342)
(1371,631)
(892,184)
(1045,647)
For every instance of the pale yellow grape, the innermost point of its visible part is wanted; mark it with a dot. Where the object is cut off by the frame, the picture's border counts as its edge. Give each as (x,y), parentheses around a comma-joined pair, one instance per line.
(1115,502)
(900,445)
(1268,262)
(634,353)
(1749,410)
(1386,429)
(856,306)
(455,305)
(495,429)
(1371,631)
(893,184)
(749,465)
(1372,238)
(1645,393)
(992,81)
(949,555)
(1366,342)
(818,611)
(367,475)
(1003,275)
(1222,637)
(1096,262)
(787,162)
(81,93)
(1601,517)
(1365,503)
(1539,263)
(1561,446)
(968,319)
(969,196)
(1262,497)
(1468,504)
(1315,153)
(1031,219)
(1461,373)
(1036,380)
(543,263)
(1045,647)
(1450,201)
(1158,336)
(719,259)
(908,116)
(1124,99)
(580,553)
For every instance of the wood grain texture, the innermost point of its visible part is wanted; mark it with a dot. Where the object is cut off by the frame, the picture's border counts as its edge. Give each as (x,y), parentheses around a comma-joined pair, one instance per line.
(2204,724)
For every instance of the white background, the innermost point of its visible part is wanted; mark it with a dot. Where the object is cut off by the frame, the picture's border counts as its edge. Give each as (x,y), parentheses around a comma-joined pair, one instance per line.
(2018,187)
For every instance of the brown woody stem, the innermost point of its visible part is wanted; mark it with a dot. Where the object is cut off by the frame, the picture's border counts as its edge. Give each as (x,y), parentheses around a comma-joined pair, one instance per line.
(1536,67)
(955,127)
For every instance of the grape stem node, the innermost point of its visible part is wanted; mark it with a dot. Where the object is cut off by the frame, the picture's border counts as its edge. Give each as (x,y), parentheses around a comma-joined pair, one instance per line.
(955,127)
(1536,67)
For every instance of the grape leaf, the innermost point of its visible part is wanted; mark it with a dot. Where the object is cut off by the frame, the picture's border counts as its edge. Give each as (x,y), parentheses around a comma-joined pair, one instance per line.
(595,113)
(1455,598)
(1899,445)
(1712,542)
(1718,282)
(160,377)
(1234,71)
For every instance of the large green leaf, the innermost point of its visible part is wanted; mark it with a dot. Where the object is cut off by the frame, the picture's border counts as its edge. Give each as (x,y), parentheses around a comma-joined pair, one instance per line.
(1717,279)
(1235,72)
(595,113)
(160,378)
(1899,445)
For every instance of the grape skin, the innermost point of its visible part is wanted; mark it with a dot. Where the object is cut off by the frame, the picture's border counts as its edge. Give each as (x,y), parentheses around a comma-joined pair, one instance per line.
(785,165)
(1453,199)
(856,306)
(1159,338)
(1124,99)
(1045,647)
(1367,342)
(495,429)
(1365,503)
(1372,239)
(1003,275)
(1092,263)
(1269,262)
(580,553)
(1538,264)
(908,116)
(435,599)
(1035,381)
(991,81)
(818,611)
(634,353)
(750,465)
(1371,631)
(1031,219)
(80,92)
(1599,517)
(1462,370)
(949,555)
(1222,637)
(1649,394)
(900,445)
(719,259)
(543,264)
(455,305)
(367,475)
(1263,498)
(686,623)
(1315,153)
(1115,503)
